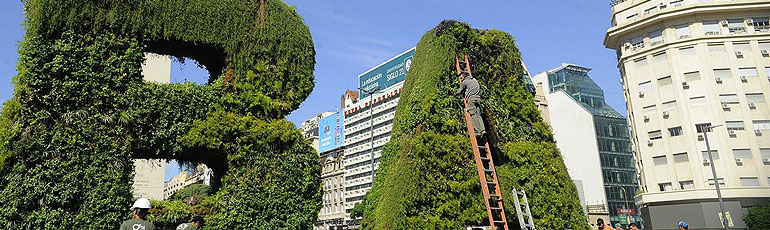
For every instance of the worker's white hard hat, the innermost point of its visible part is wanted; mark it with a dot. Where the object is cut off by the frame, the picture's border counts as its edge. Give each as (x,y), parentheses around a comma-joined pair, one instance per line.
(141,203)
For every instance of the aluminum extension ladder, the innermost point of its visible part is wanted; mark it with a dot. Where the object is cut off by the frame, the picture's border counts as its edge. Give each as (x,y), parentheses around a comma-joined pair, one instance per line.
(490,187)
(527,223)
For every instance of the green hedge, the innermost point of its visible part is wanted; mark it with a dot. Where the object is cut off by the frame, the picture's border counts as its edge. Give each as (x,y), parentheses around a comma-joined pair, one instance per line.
(81,112)
(758,218)
(427,178)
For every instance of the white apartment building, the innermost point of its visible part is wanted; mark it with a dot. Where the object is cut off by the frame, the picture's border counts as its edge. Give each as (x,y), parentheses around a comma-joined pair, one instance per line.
(687,64)
(200,175)
(149,174)
(368,123)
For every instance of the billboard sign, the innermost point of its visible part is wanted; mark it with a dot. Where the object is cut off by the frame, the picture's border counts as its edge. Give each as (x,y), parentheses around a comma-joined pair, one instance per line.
(386,74)
(331,134)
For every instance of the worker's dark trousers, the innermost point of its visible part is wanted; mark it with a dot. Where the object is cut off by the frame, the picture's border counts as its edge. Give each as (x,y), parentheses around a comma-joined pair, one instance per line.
(474,109)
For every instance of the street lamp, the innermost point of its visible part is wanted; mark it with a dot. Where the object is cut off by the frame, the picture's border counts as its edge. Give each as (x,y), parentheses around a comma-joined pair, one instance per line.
(714,173)
(371,125)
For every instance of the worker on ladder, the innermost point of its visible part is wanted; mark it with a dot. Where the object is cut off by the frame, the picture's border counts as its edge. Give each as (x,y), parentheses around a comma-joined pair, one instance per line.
(470,86)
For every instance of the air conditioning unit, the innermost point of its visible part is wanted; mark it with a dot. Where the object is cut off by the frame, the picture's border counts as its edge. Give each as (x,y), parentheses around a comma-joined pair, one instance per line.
(725,106)
(739,53)
(684,36)
(766,160)
(718,79)
(684,85)
(739,161)
(749,21)
(744,78)
(649,142)
(700,137)
(731,133)
(662,5)
(724,23)
(627,45)
(758,132)
(646,118)
(765,53)
(665,114)
(752,105)
(706,161)
(641,94)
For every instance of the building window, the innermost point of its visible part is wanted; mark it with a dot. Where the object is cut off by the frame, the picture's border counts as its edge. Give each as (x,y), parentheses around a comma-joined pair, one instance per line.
(720,74)
(710,182)
(741,49)
(665,81)
(654,135)
(637,42)
(632,17)
(688,54)
(688,184)
(749,182)
(702,127)
(681,158)
(765,153)
(714,155)
(660,59)
(692,76)
(736,26)
(755,98)
(665,187)
(659,160)
(698,101)
(761,24)
(761,124)
(682,31)
(748,72)
(742,153)
(656,37)
(734,125)
(715,49)
(711,27)
(650,110)
(651,10)
(675,131)
(645,87)
(728,98)
(669,106)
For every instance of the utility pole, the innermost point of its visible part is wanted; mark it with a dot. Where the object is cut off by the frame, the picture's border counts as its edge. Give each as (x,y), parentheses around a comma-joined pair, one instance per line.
(371,125)
(714,173)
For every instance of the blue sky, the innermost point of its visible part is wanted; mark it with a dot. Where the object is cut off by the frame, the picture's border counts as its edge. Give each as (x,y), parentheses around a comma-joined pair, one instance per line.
(353,36)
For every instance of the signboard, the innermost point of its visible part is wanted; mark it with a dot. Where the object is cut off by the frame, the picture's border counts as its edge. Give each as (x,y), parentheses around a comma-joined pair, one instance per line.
(331,133)
(386,74)
(626,211)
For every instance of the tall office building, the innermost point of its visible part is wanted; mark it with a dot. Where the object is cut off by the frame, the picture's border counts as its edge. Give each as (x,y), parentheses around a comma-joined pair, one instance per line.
(368,123)
(593,139)
(150,174)
(687,65)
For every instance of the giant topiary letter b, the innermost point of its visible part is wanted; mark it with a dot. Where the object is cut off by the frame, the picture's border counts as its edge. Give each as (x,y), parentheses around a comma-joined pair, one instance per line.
(81,111)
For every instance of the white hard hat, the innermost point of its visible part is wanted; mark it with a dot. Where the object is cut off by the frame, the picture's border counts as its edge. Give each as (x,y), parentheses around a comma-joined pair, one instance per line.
(141,203)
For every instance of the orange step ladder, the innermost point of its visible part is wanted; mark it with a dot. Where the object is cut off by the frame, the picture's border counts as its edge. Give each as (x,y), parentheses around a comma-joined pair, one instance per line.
(490,186)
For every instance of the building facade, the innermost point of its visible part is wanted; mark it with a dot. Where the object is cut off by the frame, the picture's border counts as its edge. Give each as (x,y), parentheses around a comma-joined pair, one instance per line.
(368,122)
(332,214)
(149,174)
(686,65)
(199,175)
(309,129)
(603,171)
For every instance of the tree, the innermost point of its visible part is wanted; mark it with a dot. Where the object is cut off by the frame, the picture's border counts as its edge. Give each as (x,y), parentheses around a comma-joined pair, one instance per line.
(198,192)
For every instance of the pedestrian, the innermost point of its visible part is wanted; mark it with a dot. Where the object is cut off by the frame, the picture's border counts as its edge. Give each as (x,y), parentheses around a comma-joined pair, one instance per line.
(683,225)
(470,86)
(195,224)
(140,210)
(633,226)
(618,226)
(602,226)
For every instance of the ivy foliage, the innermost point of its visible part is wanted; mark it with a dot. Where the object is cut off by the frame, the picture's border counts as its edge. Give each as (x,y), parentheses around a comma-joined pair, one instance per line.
(81,112)
(428,179)
(758,217)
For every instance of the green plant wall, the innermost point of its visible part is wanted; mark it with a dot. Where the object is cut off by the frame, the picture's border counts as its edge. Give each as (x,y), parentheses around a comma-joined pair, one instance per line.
(427,178)
(81,112)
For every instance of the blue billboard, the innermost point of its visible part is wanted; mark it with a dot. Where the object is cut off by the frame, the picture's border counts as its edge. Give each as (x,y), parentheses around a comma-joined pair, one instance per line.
(331,133)
(386,74)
